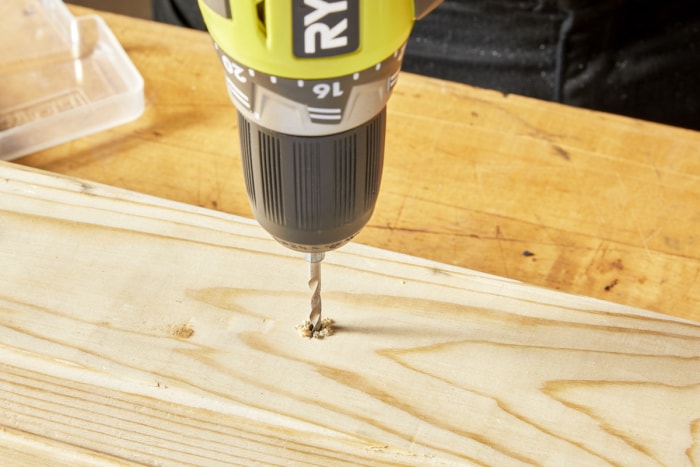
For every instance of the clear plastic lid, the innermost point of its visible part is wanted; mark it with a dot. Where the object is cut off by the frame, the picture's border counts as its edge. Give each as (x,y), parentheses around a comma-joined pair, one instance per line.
(60,77)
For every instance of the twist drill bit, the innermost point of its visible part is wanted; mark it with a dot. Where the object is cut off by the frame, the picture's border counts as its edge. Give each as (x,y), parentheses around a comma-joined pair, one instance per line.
(314,260)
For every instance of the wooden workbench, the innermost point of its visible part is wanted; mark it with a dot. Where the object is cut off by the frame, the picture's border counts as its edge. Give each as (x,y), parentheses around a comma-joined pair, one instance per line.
(579,201)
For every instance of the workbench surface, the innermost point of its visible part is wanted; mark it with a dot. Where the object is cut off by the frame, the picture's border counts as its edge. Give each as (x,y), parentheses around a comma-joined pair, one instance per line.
(569,199)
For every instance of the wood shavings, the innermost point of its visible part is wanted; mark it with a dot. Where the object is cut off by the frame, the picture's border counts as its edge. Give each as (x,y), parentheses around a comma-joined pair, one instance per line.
(325,330)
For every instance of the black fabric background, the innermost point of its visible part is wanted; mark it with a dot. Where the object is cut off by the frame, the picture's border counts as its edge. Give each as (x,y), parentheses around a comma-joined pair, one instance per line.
(639,58)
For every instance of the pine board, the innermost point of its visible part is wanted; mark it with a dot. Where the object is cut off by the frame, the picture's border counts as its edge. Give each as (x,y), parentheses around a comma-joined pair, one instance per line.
(139,330)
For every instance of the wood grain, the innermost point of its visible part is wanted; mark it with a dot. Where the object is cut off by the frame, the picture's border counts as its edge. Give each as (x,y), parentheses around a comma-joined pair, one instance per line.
(430,365)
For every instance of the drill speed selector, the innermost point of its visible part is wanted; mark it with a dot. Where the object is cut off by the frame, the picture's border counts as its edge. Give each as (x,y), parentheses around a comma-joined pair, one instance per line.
(311,106)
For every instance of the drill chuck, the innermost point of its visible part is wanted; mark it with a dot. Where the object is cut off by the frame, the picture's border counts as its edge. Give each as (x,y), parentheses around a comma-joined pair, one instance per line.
(313,193)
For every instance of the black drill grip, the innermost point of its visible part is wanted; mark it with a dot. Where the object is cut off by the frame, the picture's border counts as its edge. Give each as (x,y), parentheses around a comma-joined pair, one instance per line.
(313,193)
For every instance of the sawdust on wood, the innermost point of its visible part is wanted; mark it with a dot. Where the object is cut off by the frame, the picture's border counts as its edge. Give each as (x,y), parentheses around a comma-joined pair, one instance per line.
(325,330)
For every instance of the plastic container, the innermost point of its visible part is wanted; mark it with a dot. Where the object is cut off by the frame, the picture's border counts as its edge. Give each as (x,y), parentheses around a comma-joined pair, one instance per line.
(60,77)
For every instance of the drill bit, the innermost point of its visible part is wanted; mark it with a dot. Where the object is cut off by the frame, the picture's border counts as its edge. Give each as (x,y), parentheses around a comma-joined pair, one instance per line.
(314,260)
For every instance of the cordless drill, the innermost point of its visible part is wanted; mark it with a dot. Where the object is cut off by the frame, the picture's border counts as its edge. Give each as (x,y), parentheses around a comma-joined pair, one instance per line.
(310,80)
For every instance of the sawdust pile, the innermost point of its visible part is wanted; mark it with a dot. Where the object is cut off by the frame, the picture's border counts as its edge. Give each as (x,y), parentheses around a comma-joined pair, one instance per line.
(325,330)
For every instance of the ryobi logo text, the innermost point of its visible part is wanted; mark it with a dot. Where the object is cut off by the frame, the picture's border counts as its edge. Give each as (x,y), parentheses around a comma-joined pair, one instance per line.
(323,28)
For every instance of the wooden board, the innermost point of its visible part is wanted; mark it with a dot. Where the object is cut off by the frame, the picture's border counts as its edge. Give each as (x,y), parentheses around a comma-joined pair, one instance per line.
(139,330)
